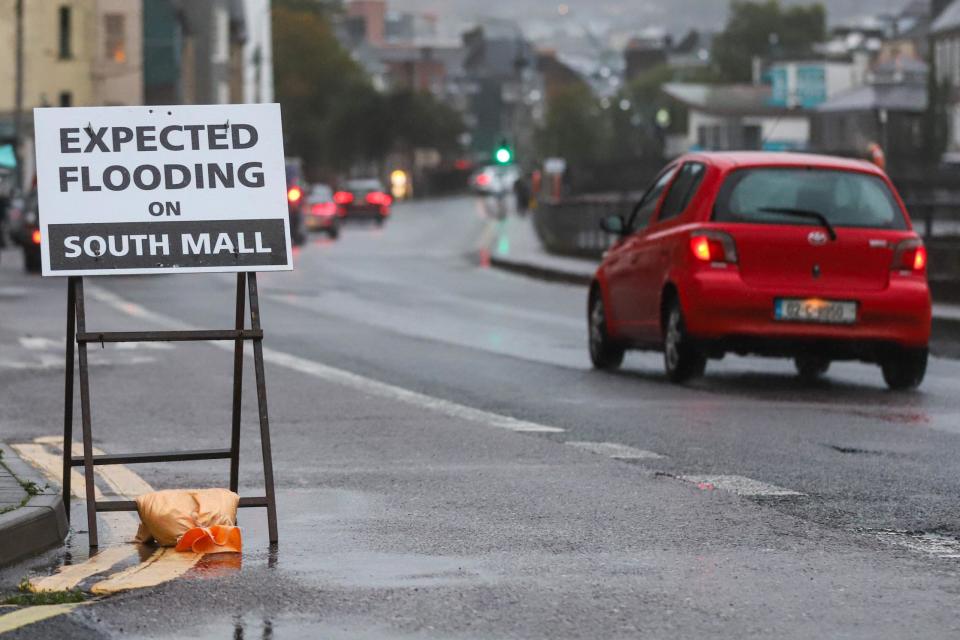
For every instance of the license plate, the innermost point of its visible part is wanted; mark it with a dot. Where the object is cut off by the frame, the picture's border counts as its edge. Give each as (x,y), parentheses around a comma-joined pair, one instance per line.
(814,310)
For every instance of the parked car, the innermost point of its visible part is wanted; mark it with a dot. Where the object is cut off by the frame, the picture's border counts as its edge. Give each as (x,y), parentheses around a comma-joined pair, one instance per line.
(23,219)
(363,199)
(787,255)
(295,200)
(321,211)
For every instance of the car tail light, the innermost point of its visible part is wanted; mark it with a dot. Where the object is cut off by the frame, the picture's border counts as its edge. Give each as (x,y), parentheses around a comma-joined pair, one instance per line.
(910,255)
(483,180)
(713,246)
(323,209)
(379,199)
(294,194)
(343,197)
(35,236)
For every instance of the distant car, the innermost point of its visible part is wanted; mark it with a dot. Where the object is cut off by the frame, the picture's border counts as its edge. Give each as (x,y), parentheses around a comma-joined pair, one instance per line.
(23,218)
(495,180)
(295,200)
(363,199)
(321,211)
(785,255)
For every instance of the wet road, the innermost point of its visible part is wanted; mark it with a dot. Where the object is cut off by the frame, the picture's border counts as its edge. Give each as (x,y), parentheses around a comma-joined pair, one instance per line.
(743,505)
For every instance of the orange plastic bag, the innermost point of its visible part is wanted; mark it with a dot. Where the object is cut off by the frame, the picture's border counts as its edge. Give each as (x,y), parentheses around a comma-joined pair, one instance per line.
(215,539)
(165,516)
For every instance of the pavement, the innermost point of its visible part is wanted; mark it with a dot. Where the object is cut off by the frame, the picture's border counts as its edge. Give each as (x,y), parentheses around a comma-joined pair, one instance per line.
(449,466)
(32,518)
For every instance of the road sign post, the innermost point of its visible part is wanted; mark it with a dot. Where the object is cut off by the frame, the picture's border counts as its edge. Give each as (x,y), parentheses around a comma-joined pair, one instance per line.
(148,190)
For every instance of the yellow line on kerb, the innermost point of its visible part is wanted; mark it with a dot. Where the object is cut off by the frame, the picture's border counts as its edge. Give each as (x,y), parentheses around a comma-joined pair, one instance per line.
(29,615)
(163,565)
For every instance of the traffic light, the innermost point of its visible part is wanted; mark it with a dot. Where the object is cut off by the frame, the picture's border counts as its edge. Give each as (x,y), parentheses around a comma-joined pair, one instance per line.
(503,154)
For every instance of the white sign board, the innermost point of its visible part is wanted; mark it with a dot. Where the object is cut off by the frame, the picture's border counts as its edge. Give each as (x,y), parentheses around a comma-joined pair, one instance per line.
(139,190)
(554,165)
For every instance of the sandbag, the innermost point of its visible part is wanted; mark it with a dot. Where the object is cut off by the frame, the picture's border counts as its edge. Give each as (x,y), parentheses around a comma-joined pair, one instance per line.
(166,515)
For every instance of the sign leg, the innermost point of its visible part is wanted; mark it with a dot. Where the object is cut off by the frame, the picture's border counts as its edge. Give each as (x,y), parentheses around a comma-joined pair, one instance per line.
(237,386)
(68,393)
(262,403)
(87,427)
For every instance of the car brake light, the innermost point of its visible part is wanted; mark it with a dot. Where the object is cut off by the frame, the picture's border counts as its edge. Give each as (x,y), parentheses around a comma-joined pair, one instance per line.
(294,194)
(343,197)
(323,209)
(379,198)
(713,246)
(35,236)
(483,179)
(910,255)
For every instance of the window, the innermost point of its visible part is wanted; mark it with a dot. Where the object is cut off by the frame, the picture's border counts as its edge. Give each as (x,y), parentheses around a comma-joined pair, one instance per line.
(682,191)
(64,40)
(845,198)
(115,37)
(648,204)
(66,99)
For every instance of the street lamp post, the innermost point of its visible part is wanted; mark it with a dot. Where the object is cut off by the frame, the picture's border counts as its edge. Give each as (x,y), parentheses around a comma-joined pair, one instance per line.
(18,93)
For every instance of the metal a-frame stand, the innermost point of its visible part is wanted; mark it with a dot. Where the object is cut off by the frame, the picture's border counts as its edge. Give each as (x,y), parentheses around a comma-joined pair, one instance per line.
(78,334)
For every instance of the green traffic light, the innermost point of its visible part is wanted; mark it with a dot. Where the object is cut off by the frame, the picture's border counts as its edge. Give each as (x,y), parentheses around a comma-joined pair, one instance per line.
(503,155)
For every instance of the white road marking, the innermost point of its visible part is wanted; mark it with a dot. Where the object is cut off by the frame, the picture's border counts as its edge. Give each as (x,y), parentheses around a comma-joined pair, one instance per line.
(48,361)
(616,451)
(740,485)
(40,344)
(338,376)
(929,543)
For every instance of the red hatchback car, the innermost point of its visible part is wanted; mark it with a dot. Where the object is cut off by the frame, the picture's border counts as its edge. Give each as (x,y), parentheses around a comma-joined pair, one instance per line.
(784,255)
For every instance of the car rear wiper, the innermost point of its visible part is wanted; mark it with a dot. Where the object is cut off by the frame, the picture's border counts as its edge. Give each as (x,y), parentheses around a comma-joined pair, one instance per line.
(804,213)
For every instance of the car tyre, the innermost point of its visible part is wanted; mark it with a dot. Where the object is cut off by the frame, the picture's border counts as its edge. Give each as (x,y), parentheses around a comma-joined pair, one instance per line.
(605,354)
(682,361)
(905,369)
(333,232)
(811,368)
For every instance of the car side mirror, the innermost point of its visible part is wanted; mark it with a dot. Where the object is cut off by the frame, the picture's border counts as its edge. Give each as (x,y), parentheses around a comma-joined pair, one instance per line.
(614,224)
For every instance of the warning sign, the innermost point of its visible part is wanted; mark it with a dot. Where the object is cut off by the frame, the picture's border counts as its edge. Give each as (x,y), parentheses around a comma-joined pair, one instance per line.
(136,190)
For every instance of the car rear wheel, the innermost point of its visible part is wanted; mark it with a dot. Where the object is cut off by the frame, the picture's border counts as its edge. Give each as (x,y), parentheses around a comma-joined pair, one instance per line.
(333,232)
(905,369)
(811,368)
(681,360)
(604,353)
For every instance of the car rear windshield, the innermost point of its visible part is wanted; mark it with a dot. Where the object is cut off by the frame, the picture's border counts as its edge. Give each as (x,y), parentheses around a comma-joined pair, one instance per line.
(844,198)
(364,186)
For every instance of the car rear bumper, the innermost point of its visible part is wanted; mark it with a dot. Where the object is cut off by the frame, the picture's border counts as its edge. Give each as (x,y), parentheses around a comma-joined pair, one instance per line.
(372,212)
(720,308)
(316,223)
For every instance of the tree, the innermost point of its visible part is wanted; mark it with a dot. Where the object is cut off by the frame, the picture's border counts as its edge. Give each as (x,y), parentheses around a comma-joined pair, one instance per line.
(574,128)
(765,29)
(333,117)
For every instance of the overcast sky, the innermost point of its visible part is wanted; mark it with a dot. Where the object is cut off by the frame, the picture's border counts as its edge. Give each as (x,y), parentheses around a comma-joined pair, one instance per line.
(673,14)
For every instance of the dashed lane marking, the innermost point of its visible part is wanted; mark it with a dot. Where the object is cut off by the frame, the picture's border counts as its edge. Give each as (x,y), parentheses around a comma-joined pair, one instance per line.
(739,485)
(39,343)
(932,544)
(616,451)
(339,376)
(30,615)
